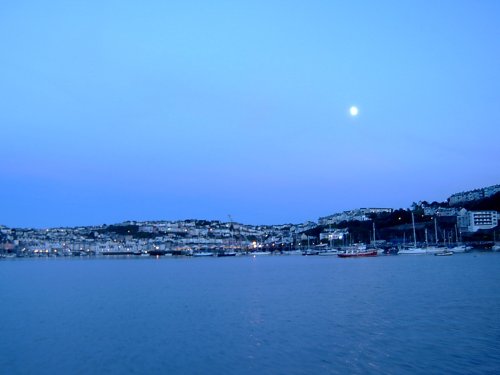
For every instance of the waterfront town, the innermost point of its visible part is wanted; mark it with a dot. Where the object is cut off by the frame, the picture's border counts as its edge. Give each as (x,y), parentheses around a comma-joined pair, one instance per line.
(467,219)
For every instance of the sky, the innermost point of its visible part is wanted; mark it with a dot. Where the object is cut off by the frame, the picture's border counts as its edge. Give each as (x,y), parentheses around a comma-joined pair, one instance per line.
(129,110)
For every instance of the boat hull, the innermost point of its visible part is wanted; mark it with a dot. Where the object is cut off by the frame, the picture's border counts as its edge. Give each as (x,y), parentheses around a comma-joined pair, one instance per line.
(203,254)
(358,254)
(412,251)
(444,254)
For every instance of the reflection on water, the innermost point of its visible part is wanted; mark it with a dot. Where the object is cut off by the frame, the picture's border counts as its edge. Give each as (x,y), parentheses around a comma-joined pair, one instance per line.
(267,315)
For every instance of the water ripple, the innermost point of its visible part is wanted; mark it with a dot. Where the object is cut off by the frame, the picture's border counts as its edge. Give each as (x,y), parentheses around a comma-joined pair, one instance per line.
(273,315)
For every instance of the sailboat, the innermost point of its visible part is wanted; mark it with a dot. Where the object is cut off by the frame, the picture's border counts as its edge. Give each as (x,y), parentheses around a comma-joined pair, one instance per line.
(444,253)
(431,249)
(459,246)
(413,250)
(379,251)
(309,251)
(203,254)
(496,245)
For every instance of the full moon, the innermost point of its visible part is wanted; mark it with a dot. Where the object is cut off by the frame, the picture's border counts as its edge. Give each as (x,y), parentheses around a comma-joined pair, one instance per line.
(353,111)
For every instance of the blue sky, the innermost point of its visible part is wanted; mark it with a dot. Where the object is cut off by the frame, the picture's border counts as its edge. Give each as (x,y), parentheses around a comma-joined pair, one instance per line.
(120,110)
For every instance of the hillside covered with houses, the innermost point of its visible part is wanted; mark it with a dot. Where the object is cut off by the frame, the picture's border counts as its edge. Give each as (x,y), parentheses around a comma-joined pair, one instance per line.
(470,216)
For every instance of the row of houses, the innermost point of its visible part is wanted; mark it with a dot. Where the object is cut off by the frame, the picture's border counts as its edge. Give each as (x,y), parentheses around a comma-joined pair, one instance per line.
(359,214)
(204,234)
(134,236)
(473,195)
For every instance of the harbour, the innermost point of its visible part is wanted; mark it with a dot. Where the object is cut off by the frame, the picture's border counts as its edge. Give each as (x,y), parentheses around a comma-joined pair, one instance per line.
(249,315)
(250,188)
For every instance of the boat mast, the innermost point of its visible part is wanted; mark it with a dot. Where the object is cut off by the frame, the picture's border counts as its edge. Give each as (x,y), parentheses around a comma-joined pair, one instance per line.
(414,232)
(330,235)
(436,229)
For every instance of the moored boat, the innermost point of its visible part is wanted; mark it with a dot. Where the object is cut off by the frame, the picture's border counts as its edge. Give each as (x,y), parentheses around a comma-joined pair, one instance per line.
(391,251)
(412,251)
(226,254)
(154,253)
(203,254)
(460,248)
(433,249)
(353,253)
(260,253)
(329,252)
(309,252)
(444,253)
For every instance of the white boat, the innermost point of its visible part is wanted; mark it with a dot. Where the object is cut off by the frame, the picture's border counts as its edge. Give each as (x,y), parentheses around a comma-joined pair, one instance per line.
(229,253)
(203,254)
(433,249)
(460,248)
(444,253)
(413,251)
(309,252)
(292,252)
(260,253)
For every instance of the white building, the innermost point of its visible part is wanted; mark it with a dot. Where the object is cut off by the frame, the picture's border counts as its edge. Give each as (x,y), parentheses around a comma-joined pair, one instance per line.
(336,234)
(445,211)
(472,221)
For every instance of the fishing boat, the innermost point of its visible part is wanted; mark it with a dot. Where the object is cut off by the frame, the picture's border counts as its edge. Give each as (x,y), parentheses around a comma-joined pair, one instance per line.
(355,252)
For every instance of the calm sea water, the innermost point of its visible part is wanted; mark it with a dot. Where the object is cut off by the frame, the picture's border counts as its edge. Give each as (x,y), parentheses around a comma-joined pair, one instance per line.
(264,315)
